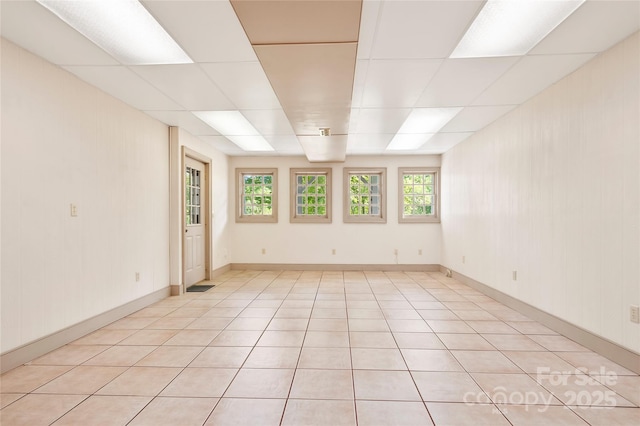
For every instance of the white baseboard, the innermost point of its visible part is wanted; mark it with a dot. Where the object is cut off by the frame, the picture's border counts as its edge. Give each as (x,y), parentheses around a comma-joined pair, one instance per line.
(619,354)
(332,267)
(37,348)
(178,289)
(219,271)
(611,350)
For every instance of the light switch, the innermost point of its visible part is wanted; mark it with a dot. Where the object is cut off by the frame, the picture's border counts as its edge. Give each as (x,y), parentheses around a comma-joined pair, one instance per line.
(74,210)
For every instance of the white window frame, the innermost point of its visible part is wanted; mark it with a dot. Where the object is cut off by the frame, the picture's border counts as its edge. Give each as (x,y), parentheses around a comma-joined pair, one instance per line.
(433,218)
(379,218)
(244,218)
(295,217)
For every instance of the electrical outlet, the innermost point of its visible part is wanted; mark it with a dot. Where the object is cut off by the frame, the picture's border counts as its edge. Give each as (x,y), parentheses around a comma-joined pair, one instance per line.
(137,276)
(464,259)
(333,251)
(73,210)
(419,252)
(515,275)
(634,314)
(264,251)
(395,251)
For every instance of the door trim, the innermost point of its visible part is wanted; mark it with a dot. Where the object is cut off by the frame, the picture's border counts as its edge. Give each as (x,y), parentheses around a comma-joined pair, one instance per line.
(207,217)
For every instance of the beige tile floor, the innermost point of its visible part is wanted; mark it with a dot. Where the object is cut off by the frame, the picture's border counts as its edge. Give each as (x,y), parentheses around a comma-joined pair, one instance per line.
(323,348)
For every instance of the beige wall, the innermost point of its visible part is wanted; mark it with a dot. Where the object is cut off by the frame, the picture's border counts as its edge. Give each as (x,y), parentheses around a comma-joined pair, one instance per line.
(355,243)
(552,190)
(63,142)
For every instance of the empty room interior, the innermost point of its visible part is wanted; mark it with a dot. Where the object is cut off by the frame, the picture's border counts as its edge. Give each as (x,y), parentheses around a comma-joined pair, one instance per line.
(320,212)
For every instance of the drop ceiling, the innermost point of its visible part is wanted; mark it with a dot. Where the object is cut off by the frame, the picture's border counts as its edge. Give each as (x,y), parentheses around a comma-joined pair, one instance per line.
(291,67)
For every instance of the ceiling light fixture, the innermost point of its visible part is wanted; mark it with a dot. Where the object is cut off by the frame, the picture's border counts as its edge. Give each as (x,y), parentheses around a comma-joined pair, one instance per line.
(123,28)
(408,142)
(235,127)
(420,126)
(512,27)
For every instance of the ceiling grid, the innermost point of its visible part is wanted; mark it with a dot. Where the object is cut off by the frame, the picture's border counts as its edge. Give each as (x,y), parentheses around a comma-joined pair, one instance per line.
(290,67)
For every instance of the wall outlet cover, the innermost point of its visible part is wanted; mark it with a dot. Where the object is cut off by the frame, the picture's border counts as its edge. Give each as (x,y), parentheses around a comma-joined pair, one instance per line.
(634,314)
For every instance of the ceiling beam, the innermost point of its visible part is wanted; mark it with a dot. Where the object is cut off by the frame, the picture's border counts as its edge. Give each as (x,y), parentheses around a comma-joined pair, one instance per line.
(308,52)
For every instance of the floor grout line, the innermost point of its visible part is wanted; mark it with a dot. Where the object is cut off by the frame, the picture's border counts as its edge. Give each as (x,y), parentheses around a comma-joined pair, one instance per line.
(397,296)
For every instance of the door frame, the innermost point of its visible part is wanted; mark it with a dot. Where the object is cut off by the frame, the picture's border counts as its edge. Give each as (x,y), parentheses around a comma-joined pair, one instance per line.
(206,215)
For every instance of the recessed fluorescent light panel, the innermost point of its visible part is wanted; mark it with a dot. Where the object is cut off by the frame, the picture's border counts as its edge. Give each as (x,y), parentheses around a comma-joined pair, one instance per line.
(123,28)
(235,127)
(428,120)
(512,27)
(420,126)
(408,142)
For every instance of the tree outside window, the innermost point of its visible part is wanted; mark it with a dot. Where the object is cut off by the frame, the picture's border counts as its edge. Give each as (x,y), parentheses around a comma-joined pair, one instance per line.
(257,195)
(365,195)
(418,195)
(311,195)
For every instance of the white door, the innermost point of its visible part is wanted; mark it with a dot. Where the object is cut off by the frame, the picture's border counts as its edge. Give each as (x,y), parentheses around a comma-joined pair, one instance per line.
(195,215)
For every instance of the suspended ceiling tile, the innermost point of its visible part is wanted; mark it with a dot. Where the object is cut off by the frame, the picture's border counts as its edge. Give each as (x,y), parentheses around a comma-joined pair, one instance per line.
(474,118)
(187,84)
(324,148)
(530,76)
(397,83)
(121,83)
(368,24)
(285,144)
(460,81)
(313,82)
(185,120)
(353,119)
(422,29)
(380,120)
(224,145)
(442,142)
(209,31)
(374,143)
(594,27)
(310,21)
(244,83)
(34,28)
(359,80)
(269,121)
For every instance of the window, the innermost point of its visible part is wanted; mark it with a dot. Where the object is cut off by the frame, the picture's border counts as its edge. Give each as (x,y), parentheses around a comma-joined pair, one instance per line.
(257,195)
(192,195)
(418,195)
(364,195)
(310,195)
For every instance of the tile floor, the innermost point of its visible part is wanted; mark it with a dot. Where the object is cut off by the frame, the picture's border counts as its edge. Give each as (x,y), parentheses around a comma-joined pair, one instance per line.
(323,348)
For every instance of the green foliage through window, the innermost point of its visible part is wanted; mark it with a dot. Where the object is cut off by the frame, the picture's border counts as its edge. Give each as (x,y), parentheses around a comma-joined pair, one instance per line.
(365,194)
(258,191)
(418,194)
(192,196)
(311,194)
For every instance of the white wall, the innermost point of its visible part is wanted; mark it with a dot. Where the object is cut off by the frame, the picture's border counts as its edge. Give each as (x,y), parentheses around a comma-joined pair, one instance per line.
(552,190)
(219,194)
(64,142)
(355,243)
